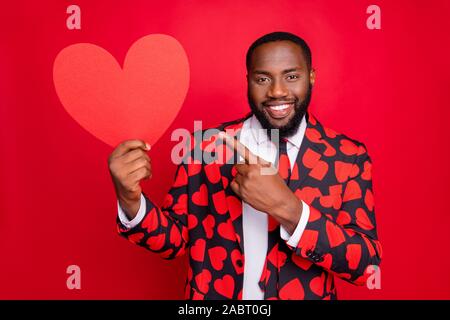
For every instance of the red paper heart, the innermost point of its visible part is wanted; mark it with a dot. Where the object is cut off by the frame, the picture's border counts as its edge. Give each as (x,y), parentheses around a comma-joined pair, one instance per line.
(138,101)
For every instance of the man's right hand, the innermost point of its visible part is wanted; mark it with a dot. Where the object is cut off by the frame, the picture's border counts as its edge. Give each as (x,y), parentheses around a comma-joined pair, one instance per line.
(128,165)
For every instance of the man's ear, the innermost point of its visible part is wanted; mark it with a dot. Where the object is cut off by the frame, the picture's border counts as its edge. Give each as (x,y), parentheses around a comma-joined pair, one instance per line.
(312,77)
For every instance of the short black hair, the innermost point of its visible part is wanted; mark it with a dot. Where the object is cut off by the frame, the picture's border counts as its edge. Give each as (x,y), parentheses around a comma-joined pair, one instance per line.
(280,36)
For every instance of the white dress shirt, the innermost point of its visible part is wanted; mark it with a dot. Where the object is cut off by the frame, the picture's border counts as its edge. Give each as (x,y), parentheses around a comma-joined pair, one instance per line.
(254,222)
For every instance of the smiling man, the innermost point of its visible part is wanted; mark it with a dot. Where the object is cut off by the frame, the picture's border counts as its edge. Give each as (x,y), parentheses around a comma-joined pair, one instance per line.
(280,79)
(250,234)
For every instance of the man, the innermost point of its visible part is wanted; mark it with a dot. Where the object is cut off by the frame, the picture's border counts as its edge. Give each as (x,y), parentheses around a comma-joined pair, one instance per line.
(253,234)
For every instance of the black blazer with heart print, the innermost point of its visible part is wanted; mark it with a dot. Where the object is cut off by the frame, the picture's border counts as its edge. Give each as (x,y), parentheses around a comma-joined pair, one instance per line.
(203,216)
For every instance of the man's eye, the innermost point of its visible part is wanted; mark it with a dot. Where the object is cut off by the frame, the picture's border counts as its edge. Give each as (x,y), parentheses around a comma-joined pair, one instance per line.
(262,80)
(293,77)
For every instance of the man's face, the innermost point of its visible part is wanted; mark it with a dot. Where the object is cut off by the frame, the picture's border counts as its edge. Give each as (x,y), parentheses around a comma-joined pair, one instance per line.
(279,86)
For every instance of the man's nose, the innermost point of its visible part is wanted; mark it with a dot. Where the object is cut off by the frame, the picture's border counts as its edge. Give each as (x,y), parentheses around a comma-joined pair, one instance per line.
(277,90)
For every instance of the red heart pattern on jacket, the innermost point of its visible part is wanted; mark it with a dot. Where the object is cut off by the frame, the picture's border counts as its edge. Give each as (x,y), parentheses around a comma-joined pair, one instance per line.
(202,215)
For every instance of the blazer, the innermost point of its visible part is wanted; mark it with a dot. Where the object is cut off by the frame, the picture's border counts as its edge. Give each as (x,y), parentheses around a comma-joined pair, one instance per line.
(201,215)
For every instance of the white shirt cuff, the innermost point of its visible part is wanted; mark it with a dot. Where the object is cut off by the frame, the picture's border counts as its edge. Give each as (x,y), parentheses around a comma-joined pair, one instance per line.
(129,224)
(292,240)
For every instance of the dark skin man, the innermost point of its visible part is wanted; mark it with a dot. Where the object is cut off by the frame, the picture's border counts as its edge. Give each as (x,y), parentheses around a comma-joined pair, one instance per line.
(278,81)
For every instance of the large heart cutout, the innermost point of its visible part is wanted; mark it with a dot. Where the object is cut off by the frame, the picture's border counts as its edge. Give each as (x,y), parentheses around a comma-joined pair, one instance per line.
(138,101)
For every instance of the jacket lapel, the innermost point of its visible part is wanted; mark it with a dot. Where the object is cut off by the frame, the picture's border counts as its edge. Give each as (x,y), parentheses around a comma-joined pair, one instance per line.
(227,171)
(308,162)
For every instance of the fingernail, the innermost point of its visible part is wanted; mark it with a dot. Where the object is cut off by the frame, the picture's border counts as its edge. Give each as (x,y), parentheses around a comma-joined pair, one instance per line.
(147,146)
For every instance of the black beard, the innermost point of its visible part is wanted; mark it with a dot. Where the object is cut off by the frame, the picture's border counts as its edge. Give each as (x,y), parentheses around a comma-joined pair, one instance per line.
(292,126)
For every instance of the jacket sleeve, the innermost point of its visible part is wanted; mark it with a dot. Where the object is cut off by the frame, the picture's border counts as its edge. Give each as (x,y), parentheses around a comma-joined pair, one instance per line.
(164,230)
(346,245)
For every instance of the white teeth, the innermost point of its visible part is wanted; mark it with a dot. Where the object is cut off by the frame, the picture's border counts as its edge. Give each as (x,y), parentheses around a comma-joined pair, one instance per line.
(280,107)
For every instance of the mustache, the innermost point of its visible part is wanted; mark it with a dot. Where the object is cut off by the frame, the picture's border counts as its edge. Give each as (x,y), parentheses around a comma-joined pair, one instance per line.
(305,103)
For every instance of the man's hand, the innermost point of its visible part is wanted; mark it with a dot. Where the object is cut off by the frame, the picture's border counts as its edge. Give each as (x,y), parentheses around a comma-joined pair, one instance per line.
(258,184)
(128,165)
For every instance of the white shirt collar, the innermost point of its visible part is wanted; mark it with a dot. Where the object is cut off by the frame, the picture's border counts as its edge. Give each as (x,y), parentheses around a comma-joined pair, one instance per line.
(260,135)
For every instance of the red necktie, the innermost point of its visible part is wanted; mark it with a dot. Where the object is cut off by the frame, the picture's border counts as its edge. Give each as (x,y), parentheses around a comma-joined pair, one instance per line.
(270,276)
(284,165)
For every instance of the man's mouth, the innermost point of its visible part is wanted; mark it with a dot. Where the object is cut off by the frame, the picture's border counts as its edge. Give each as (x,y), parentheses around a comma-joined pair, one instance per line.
(279,111)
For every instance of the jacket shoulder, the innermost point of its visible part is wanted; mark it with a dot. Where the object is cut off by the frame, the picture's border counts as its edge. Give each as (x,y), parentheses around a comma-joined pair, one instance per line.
(341,142)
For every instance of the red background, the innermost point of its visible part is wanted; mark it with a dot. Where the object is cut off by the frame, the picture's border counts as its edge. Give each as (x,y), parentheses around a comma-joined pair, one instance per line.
(388,88)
